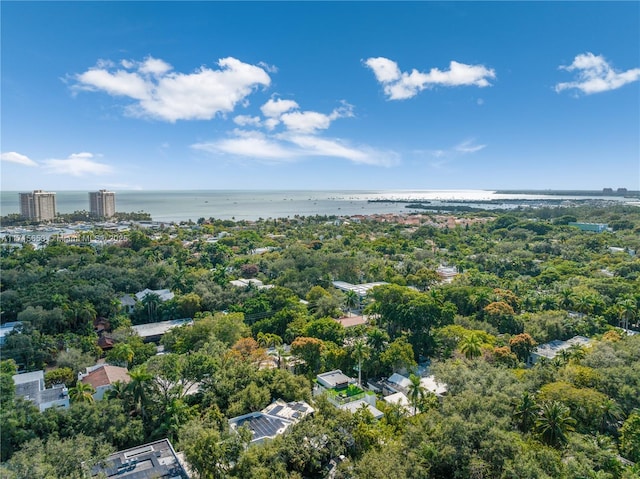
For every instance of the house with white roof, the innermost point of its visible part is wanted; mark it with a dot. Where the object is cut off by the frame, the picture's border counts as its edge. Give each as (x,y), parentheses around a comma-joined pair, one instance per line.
(251,282)
(360,289)
(152,332)
(399,383)
(7,328)
(154,460)
(128,301)
(447,273)
(272,421)
(163,294)
(342,392)
(551,349)
(401,400)
(31,386)
(359,404)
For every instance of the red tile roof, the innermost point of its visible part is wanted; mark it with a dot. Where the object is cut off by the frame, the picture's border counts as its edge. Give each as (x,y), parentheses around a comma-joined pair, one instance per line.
(349,321)
(106,375)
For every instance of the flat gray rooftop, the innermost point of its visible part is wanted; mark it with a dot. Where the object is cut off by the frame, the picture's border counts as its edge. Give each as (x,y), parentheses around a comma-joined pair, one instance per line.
(156,460)
(333,379)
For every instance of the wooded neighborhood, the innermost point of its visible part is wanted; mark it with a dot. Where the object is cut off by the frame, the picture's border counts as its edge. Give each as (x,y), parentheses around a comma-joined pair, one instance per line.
(505,345)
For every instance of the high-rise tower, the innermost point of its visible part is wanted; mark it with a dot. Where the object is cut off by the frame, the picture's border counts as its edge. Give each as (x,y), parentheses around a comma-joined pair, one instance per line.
(39,205)
(102,203)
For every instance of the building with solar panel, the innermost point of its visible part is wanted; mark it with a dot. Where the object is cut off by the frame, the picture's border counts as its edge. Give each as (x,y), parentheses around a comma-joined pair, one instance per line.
(156,460)
(272,421)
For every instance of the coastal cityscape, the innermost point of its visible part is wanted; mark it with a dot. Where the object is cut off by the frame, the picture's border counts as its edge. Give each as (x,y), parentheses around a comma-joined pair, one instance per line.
(320,240)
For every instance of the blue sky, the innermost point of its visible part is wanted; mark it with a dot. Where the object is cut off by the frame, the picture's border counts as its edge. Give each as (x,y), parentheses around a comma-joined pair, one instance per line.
(305,95)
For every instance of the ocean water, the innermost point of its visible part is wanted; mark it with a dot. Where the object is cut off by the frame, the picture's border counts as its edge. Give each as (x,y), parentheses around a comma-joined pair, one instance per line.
(252,205)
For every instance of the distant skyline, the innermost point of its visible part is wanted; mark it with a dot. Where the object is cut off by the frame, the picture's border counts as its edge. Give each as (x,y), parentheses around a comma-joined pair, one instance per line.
(320,95)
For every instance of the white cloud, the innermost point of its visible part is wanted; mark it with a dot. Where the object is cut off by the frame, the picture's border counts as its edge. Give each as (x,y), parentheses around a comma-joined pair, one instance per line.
(247,144)
(77,164)
(167,95)
(316,146)
(247,120)
(306,121)
(443,157)
(287,147)
(400,85)
(14,157)
(595,75)
(468,146)
(154,66)
(311,121)
(268,68)
(275,108)
(385,70)
(271,123)
(287,112)
(296,137)
(120,83)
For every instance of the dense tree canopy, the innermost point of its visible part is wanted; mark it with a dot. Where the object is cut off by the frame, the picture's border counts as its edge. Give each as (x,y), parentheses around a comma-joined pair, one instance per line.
(526,278)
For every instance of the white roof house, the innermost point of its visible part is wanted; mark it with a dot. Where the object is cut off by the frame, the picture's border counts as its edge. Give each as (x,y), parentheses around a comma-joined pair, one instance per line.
(397,398)
(399,383)
(447,273)
(431,385)
(272,421)
(401,400)
(153,460)
(354,406)
(245,283)
(399,380)
(334,379)
(360,289)
(163,294)
(152,331)
(551,349)
(30,386)
(6,328)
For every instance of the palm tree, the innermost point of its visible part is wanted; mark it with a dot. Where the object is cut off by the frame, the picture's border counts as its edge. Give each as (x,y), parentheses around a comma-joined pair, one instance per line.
(525,413)
(122,353)
(269,340)
(627,308)
(351,300)
(282,356)
(84,313)
(585,303)
(394,413)
(416,392)
(481,299)
(576,353)
(140,386)
(82,392)
(360,352)
(611,414)
(175,414)
(554,422)
(471,346)
(118,390)
(151,301)
(566,298)
(547,302)
(377,339)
